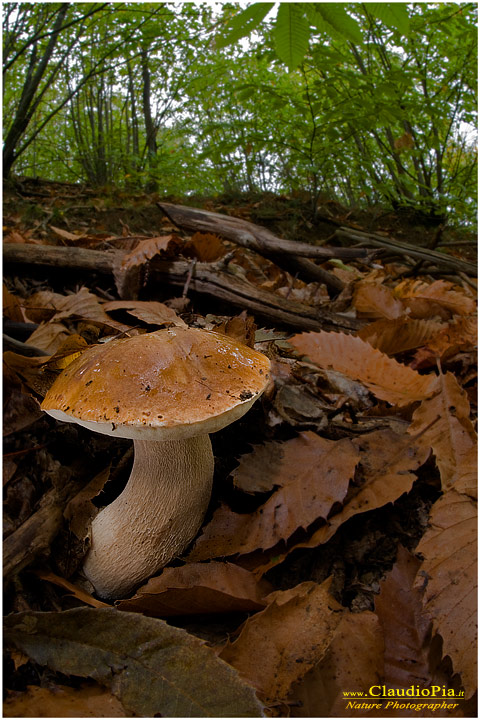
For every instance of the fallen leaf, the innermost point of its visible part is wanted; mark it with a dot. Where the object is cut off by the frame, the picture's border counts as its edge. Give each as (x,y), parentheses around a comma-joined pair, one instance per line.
(197,588)
(149,248)
(87,306)
(458,335)
(20,409)
(397,336)
(9,468)
(49,336)
(241,328)
(443,423)
(438,298)
(80,511)
(308,491)
(405,627)
(39,373)
(65,234)
(352,663)
(449,549)
(152,668)
(386,378)
(42,305)
(151,312)
(12,308)
(280,644)
(258,471)
(88,700)
(387,466)
(206,247)
(74,590)
(373,300)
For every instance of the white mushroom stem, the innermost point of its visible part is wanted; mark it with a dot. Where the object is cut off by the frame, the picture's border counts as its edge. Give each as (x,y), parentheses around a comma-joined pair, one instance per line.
(156,516)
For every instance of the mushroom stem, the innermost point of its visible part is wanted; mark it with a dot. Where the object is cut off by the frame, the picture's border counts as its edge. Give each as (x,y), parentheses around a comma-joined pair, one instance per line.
(155,517)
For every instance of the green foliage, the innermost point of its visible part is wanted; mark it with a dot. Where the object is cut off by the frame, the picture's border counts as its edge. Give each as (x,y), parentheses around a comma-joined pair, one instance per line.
(393,15)
(370,103)
(291,34)
(243,23)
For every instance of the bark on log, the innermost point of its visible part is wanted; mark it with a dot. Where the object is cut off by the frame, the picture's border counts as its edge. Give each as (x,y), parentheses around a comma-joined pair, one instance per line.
(62,257)
(253,236)
(399,248)
(287,254)
(223,285)
(213,280)
(35,535)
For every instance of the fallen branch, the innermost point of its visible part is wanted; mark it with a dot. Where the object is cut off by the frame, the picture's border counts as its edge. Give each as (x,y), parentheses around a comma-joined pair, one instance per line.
(35,535)
(290,255)
(61,257)
(213,280)
(399,248)
(254,236)
(223,285)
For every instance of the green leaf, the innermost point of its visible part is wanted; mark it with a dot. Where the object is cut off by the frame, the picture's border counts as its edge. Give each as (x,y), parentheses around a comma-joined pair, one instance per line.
(332,18)
(292,33)
(243,23)
(394,15)
(154,669)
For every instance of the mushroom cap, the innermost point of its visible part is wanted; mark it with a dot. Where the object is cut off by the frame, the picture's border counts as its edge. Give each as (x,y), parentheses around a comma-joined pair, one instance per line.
(165,385)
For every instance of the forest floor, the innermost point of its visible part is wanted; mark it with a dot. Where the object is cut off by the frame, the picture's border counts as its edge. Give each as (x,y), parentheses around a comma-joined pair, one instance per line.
(375,389)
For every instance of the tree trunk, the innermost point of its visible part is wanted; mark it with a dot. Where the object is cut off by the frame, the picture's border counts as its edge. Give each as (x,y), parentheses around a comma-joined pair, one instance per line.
(28,104)
(149,124)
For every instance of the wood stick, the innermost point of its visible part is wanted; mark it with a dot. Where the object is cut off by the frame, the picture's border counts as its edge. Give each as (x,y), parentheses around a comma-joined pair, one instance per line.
(253,236)
(63,257)
(221,284)
(213,280)
(400,248)
(35,535)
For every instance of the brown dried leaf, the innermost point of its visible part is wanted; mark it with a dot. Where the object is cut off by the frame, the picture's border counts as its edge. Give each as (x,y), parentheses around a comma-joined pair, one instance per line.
(387,464)
(147,249)
(376,301)
(280,644)
(259,471)
(206,247)
(443,421)
(397,336)
(89,700)
(438,298)
(12,308)
(241,328)
(49,336)
(9,468)
(315,474)
(198,588)
(80,511)
(87,306)
(74,590)
(42,305)
(400,610)
(25,236)
(388,379)
(449,549)
(39,373)
(65,234)
(152,312)
(352,663)
(19,408)
(459,335)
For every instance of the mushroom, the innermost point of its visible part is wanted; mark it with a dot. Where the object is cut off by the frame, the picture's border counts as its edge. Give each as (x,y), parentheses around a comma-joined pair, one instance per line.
(167,390)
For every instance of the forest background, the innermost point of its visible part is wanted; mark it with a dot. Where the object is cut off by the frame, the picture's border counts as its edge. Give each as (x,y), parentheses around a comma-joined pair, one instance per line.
(372,103)
(312,167)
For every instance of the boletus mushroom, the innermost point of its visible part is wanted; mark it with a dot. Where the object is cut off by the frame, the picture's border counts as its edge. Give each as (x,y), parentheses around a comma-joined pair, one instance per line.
(167,390)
